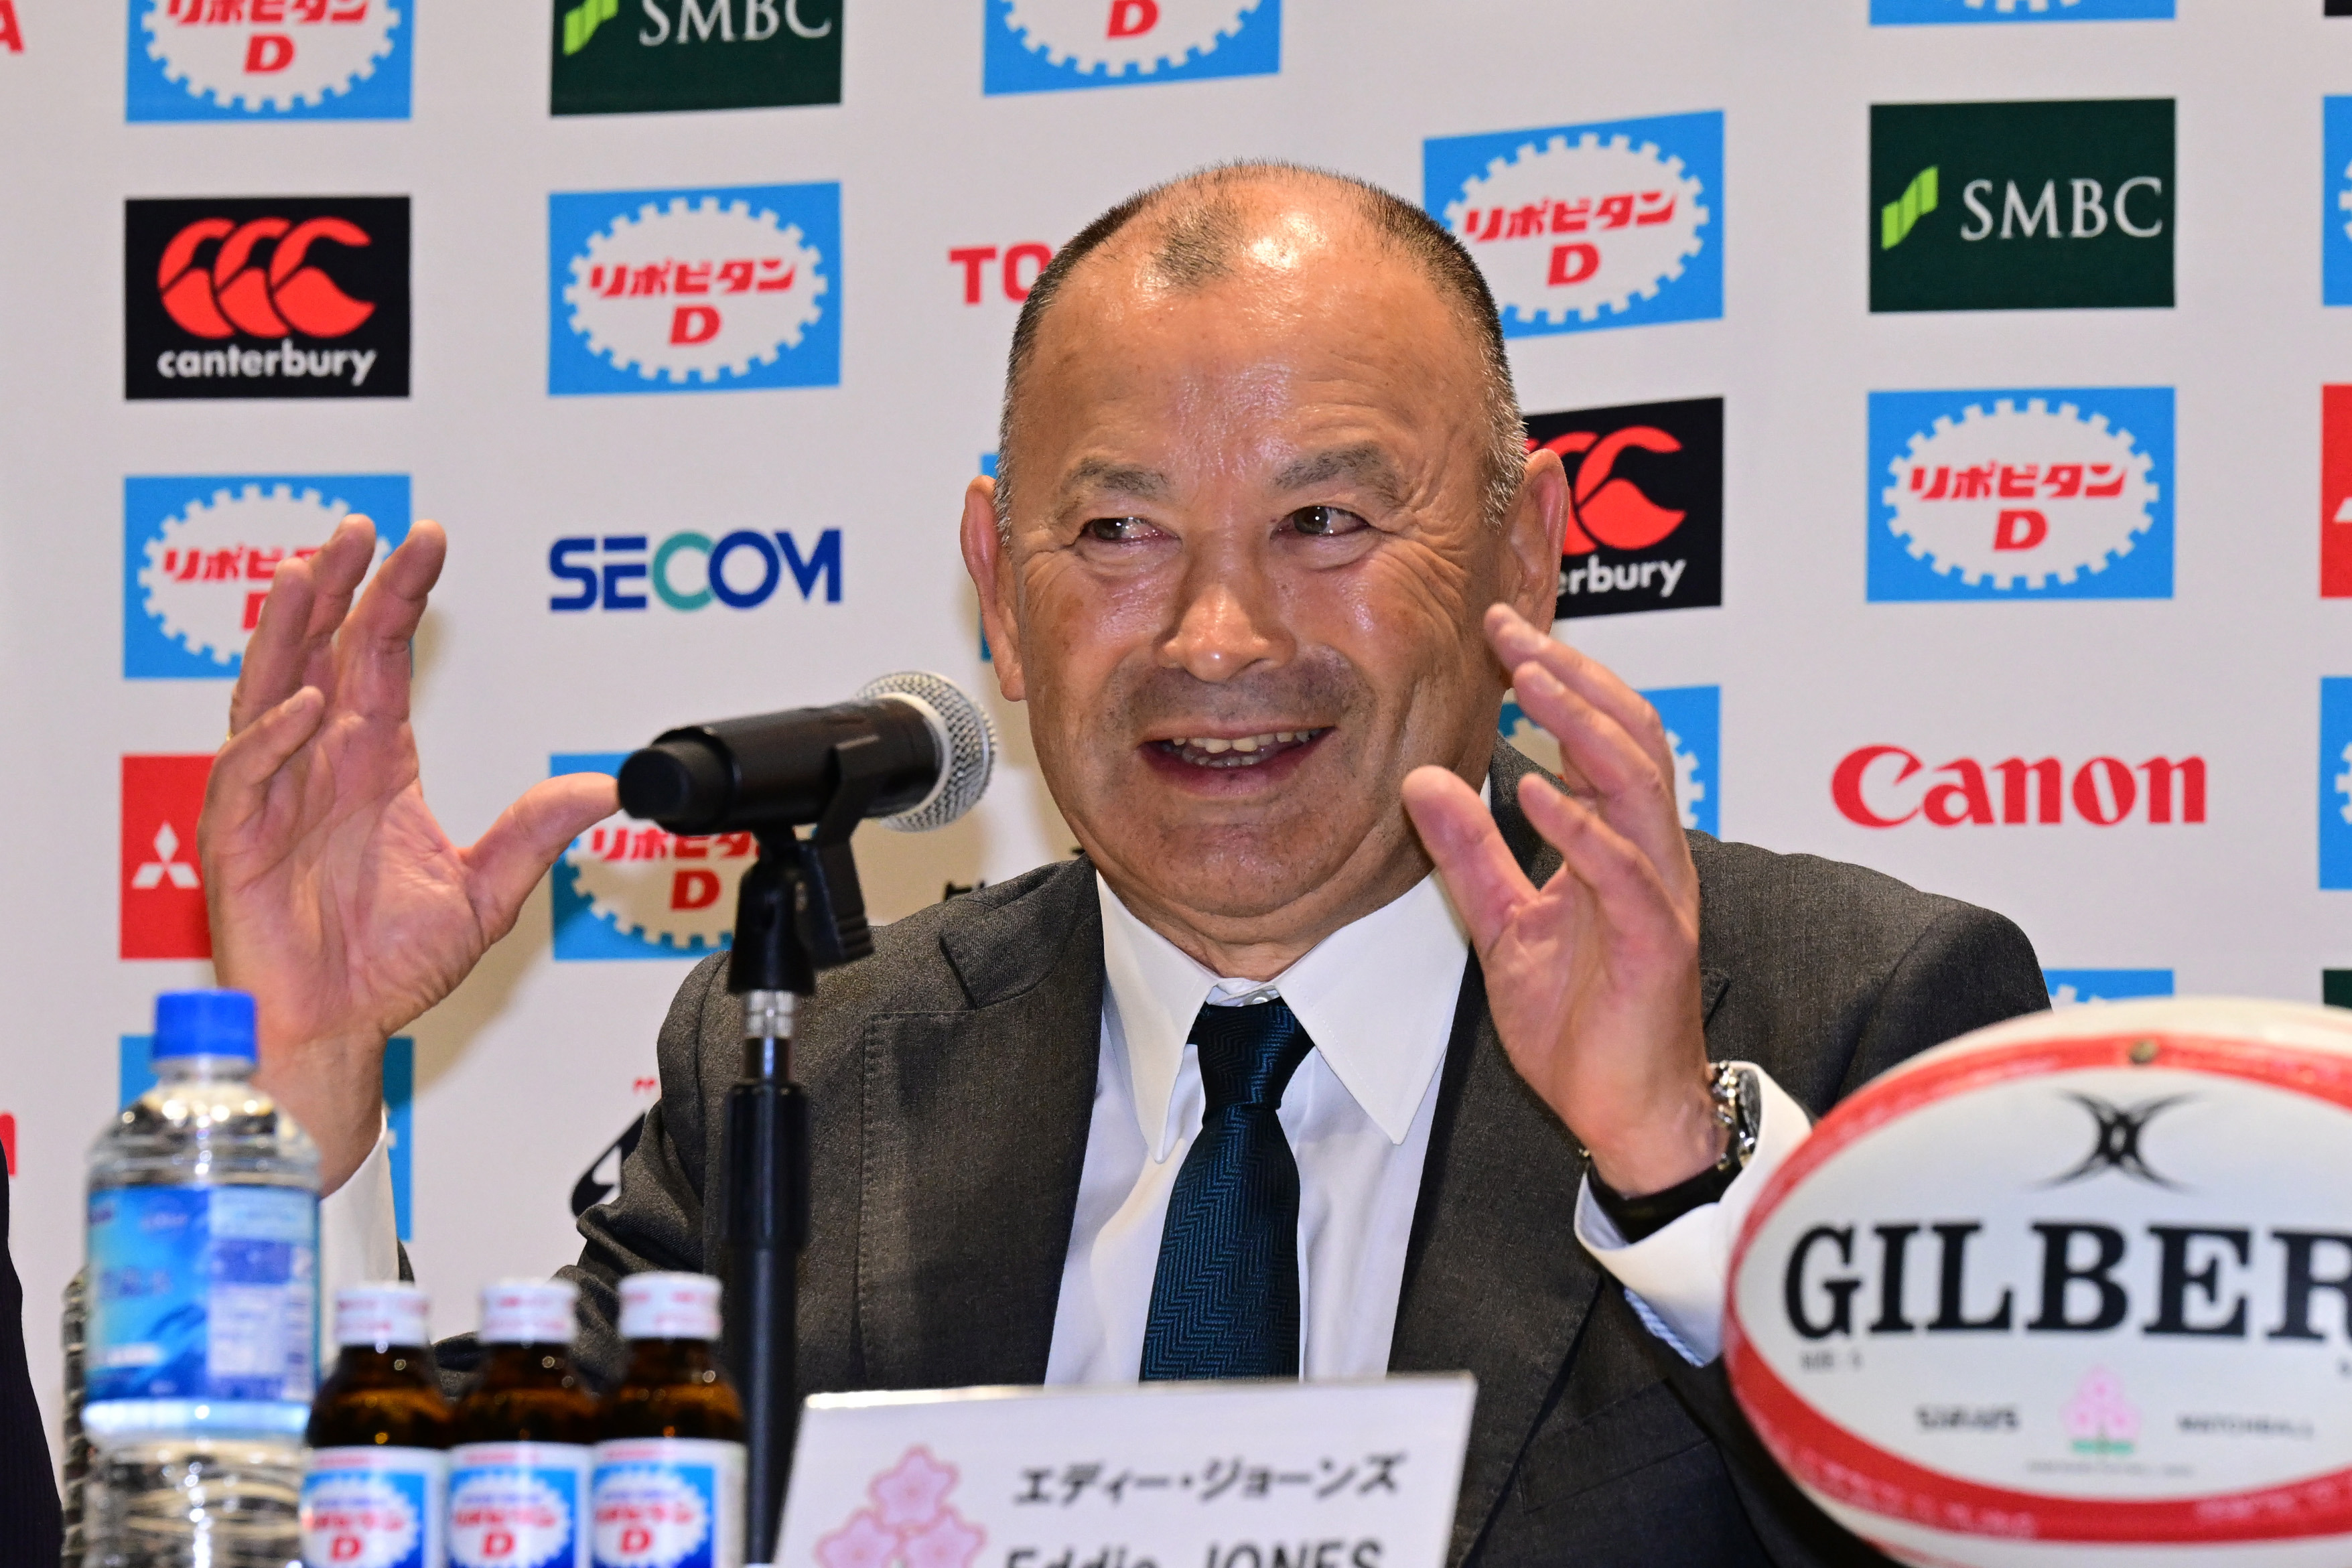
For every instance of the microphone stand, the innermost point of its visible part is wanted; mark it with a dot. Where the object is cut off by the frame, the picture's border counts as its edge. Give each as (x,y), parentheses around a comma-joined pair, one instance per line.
(799,910)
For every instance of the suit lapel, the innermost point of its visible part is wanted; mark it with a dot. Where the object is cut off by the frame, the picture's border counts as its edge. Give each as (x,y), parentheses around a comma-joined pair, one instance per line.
(975,1132)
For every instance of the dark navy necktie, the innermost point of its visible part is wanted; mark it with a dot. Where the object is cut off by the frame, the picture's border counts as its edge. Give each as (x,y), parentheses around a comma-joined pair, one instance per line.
(1224,1302)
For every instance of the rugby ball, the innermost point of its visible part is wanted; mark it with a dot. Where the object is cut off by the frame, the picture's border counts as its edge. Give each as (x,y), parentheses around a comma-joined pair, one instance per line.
(2073,1288)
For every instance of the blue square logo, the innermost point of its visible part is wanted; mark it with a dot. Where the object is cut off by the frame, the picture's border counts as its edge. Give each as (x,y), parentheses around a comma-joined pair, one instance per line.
(268,59)
(628,889)
(1578,227)
(2335,783)
(1694,721)
(1049,46)
(2034,493)
(2069,987)
(708,290)
(135,1074)
(1918,13)
(199,552)
(2335,212)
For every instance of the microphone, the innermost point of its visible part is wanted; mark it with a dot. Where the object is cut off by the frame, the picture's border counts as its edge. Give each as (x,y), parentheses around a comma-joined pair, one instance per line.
(935,748)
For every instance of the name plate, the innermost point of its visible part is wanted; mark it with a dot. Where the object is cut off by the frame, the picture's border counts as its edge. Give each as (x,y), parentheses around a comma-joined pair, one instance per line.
(1160,1475)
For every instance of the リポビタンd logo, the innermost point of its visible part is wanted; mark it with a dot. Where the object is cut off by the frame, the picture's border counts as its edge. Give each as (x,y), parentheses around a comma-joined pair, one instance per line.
(199,553)
(628,889)
(2335,217)
(707,290)
(2040,493)
(1694,719)
(694,53)
(1046,45)
(1913,12)
(2074,988)
(1646,504)
(293,297)
(268,59)
(1583,226)
(2021,207)
(2335,783)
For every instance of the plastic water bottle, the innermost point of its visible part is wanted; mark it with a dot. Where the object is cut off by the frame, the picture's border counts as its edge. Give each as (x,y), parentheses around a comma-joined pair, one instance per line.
(669,1473)
(377,1492)
(526,1431)
(201,1343)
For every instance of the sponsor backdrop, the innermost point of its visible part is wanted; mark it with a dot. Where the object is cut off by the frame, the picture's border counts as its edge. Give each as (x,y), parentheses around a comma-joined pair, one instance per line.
(1958,395)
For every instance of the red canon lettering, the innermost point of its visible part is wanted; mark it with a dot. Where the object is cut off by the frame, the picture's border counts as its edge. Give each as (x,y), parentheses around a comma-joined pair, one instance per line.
(1845,784)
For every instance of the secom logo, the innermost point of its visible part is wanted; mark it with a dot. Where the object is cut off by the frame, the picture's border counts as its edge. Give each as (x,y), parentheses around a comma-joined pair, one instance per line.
(1881,787)
(627,889)
(694,290)
(1046,45)
(2055,493)
(1583,226)
(199,553)
(1694,719)
(268,59)
(689,571)
(1913,12)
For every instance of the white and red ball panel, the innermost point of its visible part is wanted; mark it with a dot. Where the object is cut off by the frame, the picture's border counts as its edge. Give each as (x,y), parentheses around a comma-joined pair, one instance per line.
(2073,1289)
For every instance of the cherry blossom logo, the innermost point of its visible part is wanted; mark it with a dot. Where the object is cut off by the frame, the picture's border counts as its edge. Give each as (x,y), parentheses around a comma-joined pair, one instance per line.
(908,1523)
(2099,1419)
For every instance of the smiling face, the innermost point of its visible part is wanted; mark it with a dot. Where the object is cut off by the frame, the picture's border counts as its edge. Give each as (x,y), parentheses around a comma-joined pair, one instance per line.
(1245,567)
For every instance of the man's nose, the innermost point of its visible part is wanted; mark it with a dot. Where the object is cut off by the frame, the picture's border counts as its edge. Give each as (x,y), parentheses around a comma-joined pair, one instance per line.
(1230,619)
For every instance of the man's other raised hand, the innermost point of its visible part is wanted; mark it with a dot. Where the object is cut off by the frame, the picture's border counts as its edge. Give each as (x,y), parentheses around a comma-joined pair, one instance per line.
(334,896)
(1593,977)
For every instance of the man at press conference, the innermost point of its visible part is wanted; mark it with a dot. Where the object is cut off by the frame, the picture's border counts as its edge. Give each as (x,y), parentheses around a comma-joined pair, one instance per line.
(1501,1061)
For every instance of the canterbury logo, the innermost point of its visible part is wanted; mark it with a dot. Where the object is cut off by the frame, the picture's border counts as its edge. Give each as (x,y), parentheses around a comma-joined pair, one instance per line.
(1604,509)
(1897,218)
(239,292)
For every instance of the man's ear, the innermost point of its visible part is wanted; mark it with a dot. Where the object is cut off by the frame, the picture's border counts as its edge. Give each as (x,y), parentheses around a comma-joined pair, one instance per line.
(1533,531)
(989,559)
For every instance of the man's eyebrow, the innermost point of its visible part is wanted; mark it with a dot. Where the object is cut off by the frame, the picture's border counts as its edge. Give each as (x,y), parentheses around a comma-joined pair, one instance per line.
(1365,464)
(1103,473)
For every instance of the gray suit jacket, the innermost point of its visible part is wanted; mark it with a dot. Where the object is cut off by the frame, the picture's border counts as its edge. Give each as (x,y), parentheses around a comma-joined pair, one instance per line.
(951,1076)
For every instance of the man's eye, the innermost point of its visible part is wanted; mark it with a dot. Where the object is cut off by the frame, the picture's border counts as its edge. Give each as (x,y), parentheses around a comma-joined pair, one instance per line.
(1321,522)
(1117,530)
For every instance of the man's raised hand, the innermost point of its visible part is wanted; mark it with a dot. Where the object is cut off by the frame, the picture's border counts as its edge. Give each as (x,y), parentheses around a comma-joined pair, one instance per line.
(334,896)
(1593,977)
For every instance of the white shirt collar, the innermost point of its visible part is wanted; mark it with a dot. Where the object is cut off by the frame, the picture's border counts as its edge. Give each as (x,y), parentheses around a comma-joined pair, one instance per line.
(1377,996)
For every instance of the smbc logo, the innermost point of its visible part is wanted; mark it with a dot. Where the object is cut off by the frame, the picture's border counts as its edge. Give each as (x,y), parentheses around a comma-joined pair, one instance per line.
(2008,206)
(690,570)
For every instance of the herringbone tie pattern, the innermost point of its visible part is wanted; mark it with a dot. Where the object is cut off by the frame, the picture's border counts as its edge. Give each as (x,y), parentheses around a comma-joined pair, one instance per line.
(1224,1302)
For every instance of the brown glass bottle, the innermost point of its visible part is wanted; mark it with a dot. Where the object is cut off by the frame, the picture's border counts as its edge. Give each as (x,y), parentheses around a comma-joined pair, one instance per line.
(673,1388)
(380,1398)
(528,1393)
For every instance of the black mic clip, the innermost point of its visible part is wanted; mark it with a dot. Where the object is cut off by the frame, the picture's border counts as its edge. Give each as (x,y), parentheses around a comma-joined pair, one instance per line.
(799,908)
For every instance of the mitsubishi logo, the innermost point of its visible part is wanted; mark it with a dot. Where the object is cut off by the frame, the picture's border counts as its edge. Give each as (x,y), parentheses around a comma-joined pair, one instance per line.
(165,866)
(2117,1144)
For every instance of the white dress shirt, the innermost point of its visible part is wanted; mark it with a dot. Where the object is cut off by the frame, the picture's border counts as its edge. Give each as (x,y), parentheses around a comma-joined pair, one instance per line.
(1378,999)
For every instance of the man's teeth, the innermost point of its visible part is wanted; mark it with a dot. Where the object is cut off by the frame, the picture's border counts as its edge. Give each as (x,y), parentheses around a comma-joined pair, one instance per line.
(1219,751)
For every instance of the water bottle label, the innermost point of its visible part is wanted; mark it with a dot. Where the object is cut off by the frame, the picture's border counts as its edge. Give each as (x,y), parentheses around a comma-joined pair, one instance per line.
(517,1505)
(202,1294)
(374,1508)
(669,1502)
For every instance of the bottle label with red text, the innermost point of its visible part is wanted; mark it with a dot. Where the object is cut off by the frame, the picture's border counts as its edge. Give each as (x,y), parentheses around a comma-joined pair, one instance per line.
(374,1508)
(517,1505)
(667,1502)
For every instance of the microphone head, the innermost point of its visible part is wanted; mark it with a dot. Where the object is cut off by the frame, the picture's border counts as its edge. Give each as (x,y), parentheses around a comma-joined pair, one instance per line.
(961,730)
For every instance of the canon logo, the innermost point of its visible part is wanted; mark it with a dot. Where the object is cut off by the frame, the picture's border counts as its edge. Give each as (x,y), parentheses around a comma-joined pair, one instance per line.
(1879,787)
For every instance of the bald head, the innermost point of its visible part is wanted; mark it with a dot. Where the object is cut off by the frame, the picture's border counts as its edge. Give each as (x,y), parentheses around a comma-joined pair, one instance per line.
(1206,228)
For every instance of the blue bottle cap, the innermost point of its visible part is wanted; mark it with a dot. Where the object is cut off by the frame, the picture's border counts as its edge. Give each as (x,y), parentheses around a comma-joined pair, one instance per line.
(204,1023)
